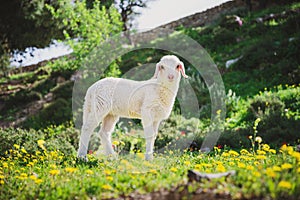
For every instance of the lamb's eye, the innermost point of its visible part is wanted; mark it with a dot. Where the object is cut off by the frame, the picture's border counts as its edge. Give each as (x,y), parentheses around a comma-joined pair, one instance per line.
(178,67)
(162,67)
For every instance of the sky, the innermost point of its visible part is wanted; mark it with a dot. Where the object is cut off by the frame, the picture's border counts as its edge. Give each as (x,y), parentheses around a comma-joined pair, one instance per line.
(157,13)
(160,12)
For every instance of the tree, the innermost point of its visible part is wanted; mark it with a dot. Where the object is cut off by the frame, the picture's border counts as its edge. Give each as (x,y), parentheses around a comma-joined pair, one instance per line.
(25,23)
(128,9)
(28,23)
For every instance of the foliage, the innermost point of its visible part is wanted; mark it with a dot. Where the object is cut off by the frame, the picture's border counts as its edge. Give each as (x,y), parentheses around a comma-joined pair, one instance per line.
(266,60)
(85,28)
(50,174)
(63,138)
(278,111)
(27,24)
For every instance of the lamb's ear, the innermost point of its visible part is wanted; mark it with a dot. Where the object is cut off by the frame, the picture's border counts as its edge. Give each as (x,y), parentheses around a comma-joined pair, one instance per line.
(156,71)
(182,70)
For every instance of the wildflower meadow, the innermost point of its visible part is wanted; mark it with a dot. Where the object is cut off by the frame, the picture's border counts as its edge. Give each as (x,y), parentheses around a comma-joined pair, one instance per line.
(262,172)
(249,64)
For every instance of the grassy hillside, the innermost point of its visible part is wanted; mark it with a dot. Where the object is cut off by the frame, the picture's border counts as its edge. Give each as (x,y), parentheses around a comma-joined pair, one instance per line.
(267,45)
(261,130)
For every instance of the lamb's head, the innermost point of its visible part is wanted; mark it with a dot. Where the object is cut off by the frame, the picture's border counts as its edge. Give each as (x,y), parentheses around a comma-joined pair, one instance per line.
(169,69)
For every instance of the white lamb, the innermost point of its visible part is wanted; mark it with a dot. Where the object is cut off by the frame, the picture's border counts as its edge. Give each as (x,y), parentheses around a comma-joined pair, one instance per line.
(151,101)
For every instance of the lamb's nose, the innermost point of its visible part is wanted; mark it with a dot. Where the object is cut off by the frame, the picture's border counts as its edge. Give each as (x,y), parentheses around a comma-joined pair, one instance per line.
(171,76)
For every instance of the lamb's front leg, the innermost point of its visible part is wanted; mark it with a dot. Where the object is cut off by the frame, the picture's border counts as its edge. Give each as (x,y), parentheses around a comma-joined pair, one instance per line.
(150,131)
(150,139)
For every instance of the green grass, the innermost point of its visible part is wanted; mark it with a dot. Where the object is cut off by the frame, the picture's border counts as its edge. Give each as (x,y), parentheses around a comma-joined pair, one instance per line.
(34,170)
(264,173)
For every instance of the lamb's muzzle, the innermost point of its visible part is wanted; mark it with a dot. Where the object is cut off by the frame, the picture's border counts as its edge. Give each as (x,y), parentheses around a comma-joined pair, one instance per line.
(151,101)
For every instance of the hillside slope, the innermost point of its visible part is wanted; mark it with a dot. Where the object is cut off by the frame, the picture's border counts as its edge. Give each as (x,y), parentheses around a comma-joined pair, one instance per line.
(266,45)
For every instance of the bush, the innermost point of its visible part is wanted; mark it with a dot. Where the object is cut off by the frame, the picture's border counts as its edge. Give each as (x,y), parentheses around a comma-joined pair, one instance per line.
(178,132)
(63,138)
(279,113)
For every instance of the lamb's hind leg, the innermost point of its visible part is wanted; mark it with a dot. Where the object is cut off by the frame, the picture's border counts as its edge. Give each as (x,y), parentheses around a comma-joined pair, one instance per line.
(89,124)
(107,127)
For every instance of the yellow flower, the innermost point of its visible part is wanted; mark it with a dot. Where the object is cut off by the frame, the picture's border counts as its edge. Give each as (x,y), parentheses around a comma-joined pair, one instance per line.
(1,182)
(221,168)
(116,143)
(198,166)
(70,169)
(296,155)
(38,181)
(107,172)
(22,176)
(207,165)
(250,167)
(53,154)
(285,185)
(286,148)
(41,142)
(153,171)
(233,153)
(273,151)
(270,172)
(23,150)
(260,152)
(109,178)
(257,174)
(244,152)
(276,168)
(225,154)
(187,163)
(256,163)
(5,165)
(32,177)
(173,169)
(54,172)
(260,157)
(265,147)
(241,165)
(298,170)
(88,171)
(140,155)
(53,166)
(106,187)
(30,164)
(17,146)
(286,166)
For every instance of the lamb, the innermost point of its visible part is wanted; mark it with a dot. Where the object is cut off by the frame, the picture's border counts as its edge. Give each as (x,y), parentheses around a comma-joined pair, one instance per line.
(151,101)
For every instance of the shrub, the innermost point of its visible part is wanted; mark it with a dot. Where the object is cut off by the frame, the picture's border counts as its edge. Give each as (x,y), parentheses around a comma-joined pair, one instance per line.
(279,113)
(63,138)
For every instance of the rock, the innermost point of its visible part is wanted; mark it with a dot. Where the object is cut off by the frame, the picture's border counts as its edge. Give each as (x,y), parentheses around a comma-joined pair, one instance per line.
(60,79)
(197,176)
(232,61)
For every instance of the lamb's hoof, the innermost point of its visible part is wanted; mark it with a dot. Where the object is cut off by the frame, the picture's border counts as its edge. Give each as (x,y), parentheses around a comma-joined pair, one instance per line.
(112,156)
(148,157)
(82,158)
